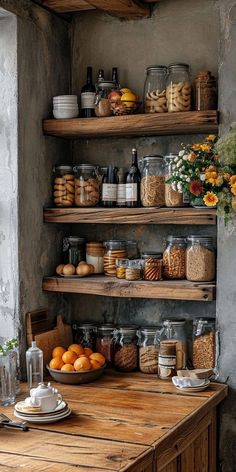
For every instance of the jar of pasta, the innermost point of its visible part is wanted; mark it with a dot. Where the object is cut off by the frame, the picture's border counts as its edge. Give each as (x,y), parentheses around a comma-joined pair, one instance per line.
(63,186)
(200,259)
(152,265)
(174,330)
(126,349)
(178,90)
(152,182)
(149,340)
(155,89)
(172,197)
(174,258)
(114,249)
(86,185)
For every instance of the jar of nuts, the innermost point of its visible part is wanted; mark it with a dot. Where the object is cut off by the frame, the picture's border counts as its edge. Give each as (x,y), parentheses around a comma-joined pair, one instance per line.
(152,265)
(63,186)
(174,258)
(200,259)
(115,249)
(204,343)
(174,330)
(155,90)
(126,349)
(178,90)
(149,340)
(86,185)
(105,342)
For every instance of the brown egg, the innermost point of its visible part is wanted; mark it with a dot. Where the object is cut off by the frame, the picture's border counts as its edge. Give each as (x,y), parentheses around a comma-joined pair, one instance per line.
(91,268)
(59,269)
(68,269)
(83,270)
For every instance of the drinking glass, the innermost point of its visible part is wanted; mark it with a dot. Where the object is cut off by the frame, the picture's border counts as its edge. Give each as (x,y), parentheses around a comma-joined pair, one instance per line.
(8,365)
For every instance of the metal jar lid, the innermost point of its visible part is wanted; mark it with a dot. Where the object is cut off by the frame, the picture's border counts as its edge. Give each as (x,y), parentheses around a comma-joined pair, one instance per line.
(151,254)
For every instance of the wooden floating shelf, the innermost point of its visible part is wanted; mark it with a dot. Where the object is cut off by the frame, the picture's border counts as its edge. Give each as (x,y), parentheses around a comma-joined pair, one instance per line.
(98,215)
(119,8)
(113,287)
(191,122)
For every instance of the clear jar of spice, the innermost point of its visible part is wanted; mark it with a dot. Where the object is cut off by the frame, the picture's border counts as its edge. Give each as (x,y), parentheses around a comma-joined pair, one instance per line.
(105,343)
(94,255)
(204,343)
(149,341)
(200,259)
(205,91)
(121,265)
(167,360)
(63,186)
(134,270)
(172,197)
(174,258)
(86,185)
(178,90)
(174,330)
(152,265)
(86,334)
(126,349)
(115,249)
(152,182)
(155,89)
(102,103)
(73,250)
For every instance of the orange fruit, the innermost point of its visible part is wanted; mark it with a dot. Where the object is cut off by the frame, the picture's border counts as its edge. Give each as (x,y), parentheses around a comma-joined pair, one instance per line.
(56,363)
(96,356)
(88,351)
(69,357)
(68,367)
(82,363)
(58,351)
(77,348)
(94,364)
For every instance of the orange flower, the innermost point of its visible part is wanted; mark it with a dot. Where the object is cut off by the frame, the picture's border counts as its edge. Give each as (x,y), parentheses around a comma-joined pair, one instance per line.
(210,199)
(196,147)
(233,188)
(195,187)
(191,157)
(211,138)
(232,179)
(205,147)
(226,176)
(211,177)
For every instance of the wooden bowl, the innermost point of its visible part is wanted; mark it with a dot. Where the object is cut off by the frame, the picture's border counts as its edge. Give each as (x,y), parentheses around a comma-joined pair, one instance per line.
(76,378)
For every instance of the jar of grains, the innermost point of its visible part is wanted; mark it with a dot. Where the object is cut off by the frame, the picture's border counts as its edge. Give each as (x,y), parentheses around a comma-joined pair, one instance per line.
(172,197)
(152,182)
(85,334)
(94,255)
(152,265)
(149,340)
(174,330)
(204,343)
(155,89)
(134,270)
(105,342)
(126,349)
(205,91)
(200,259)
(115,249)
(121,265)
(174,258)
(167,360)
(63,186)
(178,90)
(86,185)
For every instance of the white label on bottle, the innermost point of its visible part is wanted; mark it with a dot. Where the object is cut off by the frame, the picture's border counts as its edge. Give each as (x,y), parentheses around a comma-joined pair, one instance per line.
(88,100)
(185,198)
(109,192)
(131,192)
(167,361)
(121,193)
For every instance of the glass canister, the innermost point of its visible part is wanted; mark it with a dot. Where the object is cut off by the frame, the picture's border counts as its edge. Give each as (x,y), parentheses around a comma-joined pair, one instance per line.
(178,90)
(200,259)
(102,103)
(86,334)
(63,186)
(132,249)
(205,91)
(73,250)
(174,330)
(121,265)
(86,185)
(172,198)
(94,255)
(126,349)
(167,360)
(152,265)
(115,249)
(152,182)
(134,270)
(174,258)
(105,343)
(155,89)
(149,341)
(204,343)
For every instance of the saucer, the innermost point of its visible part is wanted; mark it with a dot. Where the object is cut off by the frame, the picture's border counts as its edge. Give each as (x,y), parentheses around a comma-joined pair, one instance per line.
(49,418)
(194,389)
(20,405)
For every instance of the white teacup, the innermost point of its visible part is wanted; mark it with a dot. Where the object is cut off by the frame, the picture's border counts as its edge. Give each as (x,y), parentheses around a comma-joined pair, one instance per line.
(44,396)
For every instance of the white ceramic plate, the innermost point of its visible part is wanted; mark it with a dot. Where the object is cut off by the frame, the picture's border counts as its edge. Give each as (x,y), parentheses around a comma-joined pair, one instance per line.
(48,419)
(194,389)
(58,409)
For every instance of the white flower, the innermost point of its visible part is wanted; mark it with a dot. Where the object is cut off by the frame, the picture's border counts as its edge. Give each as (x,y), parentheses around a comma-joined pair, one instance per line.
(174,186)
(185,157)
(190,171)
(181,153)
(173,166)
(179,187)
(176,159)
(188,179)
(202,177)
(179,163)
(182,168)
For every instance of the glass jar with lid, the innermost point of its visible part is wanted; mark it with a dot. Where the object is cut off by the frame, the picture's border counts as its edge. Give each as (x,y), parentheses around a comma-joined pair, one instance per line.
(86,334)
(152,265)
(102,103)
(126,349)
(86,185)
(94,255)
(73,250)
(114,249)
(63,186)
(200,259)
(204,343)
(167,359)
(121,265)
(174,258)
(149,341)
(155,89)
(152,182)
(105,343)
(172,197)
(178,90)
(134,270)
(205,91)
(174,330)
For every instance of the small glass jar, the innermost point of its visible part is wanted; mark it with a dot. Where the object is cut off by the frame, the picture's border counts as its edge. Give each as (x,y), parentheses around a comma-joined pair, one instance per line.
(205,91)
(115,249)
(200,259)
(86,186)
(178,90)
(94,255)
(167,360)
(63,186)
(105,343)
(86,334)
(172,198)
(174,258)
(149,342)
(152,182)
(73,250)
(152,266)
(126,349)
(155,90)
(102,103)
(132,249)
(204,343)
(121,265)
(134,270)
(174,330)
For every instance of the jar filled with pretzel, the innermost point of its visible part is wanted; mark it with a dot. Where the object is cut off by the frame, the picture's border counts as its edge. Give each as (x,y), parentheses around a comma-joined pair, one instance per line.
(63,186)
(178,90)
(174,258)
(152,266)
(86,185)
(155,90)
(152,182)
(114,249)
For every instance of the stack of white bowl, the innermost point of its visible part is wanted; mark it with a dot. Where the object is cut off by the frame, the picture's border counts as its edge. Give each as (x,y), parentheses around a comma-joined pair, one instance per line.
(65,106)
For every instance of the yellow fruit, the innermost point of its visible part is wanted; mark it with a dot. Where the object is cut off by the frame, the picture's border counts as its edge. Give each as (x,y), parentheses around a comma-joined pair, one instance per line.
(125,90)
(82,363)
(68,269)
(128,96)
(68,368)
(94,364)
(69,357)
(58,351)
(87,351)
(59,269)
(96,356)
(77,348)
(56,363)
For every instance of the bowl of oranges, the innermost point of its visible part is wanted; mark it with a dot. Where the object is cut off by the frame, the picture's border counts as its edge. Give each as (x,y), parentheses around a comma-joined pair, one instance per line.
(76,365)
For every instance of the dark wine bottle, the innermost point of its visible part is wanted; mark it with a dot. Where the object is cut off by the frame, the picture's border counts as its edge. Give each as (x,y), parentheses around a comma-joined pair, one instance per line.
(133,183)
(88,96)
(100,75)
(114,77)
(121,187)
(109,188)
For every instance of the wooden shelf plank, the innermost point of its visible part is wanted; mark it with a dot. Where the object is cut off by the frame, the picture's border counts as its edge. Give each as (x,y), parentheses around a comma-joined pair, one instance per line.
(113,287)
(190,122)
(179,216)
(119,8)
(67,6)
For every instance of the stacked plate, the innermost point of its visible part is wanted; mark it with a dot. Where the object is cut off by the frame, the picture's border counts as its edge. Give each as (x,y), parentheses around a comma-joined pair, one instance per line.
(188,384)
(65,106)
(60,412)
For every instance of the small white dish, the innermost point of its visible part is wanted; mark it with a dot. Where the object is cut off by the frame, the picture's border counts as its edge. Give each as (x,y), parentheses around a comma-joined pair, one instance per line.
(65,114)
(46,419)
(187,382)
(20,405)
(194,389)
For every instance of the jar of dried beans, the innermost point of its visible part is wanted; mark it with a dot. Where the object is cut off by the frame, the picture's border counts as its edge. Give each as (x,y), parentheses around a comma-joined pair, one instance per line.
(86,185)
(200,259)
(174,330)
(105,342)
(152,265)
(149,340)
(126,349)
(115,249)
(174,258)
(204,343)
(152,182)
(172,197)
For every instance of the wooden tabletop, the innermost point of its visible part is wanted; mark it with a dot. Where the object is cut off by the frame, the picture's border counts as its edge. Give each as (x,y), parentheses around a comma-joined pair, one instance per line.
(121,422)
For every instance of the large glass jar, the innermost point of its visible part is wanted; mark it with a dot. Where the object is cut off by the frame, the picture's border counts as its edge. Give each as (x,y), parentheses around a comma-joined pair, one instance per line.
(152,182)
(86,334)
(63,186)
(178,90)
(105,343)
(174,258)
(149,340)
(200,259)
(74,250)
(174,330)
(204,343)
(126,349)
(205,91)
(155,90)
(102,103)
(115,249)
(86,186)
(172,198)
(152,265)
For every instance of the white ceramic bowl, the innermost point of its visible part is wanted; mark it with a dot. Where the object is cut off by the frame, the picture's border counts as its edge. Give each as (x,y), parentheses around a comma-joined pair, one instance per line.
(65,113)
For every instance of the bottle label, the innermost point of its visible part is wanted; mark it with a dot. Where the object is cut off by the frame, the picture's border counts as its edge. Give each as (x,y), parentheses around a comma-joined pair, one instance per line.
(88,100)
(121,193)
(185,198)
(131,192)
(167,361)
(109,192)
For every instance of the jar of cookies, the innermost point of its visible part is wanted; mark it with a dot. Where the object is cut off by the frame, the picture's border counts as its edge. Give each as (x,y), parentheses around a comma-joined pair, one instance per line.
(126,349)
(63,186)
(152,182)
(114,249)
(155,90)
(174,258)
(149,340)
(178,90)
(134,270)
(86,185)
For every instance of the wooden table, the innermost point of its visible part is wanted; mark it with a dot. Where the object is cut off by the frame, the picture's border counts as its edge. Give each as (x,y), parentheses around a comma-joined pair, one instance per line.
(121,422)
